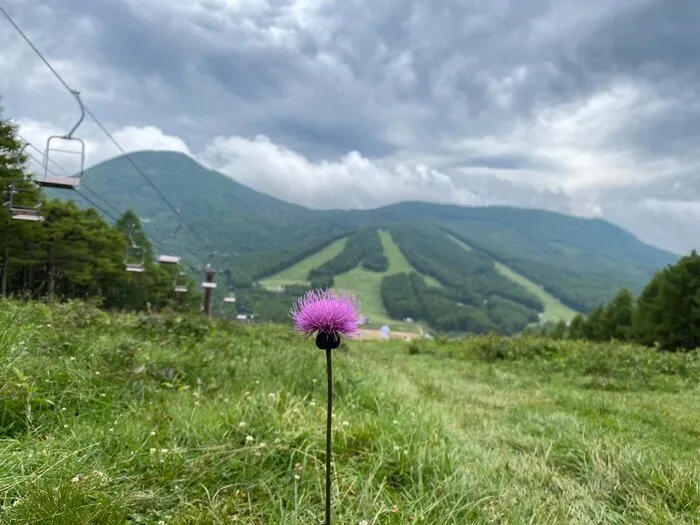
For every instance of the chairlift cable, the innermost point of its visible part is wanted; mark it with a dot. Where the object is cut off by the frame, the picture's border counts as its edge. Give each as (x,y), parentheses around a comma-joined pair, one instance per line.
(180,283)
(104,129)
(154,240)
(83,186)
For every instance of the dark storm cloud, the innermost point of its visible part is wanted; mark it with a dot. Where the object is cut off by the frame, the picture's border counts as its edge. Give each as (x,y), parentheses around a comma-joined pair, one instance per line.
(506,162)
(657,44)
(659,37)
(412,78)
(328,138)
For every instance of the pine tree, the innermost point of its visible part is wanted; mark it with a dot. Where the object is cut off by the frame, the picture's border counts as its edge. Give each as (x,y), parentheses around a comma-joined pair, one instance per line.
(13,233)
(617,317)
(668,312)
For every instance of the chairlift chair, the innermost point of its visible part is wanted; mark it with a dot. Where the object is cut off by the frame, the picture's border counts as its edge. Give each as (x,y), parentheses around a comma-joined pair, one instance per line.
(26,214)
(134,258)
(22,212)
(65,182)
(169,259)
(181,285)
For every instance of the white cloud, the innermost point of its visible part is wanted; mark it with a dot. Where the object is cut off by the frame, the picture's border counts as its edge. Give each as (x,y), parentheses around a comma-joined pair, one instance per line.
(98,147)
(350,182)
(582,142)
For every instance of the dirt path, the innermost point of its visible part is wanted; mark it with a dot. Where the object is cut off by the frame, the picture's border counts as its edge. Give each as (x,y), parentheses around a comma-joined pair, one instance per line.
(367,334)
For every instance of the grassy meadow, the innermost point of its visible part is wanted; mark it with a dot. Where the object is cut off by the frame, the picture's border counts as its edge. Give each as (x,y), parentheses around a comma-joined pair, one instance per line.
(113,419)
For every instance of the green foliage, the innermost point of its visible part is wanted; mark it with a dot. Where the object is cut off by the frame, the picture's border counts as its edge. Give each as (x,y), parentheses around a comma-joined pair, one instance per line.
(268,306)
(605,366)
(322,283)
(471,275)
(581,262)
(363,247)
(668,310)
(476,297)
(255,266)
(666,314)
(399,298)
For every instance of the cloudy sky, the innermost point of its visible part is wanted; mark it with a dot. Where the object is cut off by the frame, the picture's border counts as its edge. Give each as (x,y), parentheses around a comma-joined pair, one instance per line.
(587,107)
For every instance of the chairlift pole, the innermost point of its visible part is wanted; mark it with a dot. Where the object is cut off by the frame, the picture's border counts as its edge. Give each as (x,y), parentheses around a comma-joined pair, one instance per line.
(208,286)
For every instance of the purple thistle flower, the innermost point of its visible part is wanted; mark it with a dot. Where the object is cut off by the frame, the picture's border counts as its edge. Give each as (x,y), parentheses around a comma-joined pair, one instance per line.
(328,312)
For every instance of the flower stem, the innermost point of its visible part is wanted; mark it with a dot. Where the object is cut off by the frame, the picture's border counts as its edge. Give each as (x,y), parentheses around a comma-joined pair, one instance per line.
(329,418)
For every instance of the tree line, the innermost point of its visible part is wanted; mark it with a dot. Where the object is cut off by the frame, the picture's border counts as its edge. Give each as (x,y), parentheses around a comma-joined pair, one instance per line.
(73,252)
(666,314)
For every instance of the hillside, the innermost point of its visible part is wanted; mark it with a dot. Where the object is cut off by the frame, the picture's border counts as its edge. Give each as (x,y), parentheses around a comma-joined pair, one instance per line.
(390,294)
(578,262)
(365,283)
(113,419)
(554,309)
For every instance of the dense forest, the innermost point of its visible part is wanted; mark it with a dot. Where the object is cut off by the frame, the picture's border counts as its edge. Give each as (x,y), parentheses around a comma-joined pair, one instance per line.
(73,252)
(573,272)
(363,247)
(666,314)
(474,297)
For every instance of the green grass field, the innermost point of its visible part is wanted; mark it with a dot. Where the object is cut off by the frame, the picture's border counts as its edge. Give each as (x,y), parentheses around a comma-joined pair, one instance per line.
(554,309)
(364,283)
(298,274)
(109,420)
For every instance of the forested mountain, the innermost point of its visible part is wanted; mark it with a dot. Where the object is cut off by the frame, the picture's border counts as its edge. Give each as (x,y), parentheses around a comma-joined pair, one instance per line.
(581,262)
(584,262)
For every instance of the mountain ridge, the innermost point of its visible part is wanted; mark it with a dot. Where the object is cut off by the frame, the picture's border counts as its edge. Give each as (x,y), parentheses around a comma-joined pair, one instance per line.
(581,261)
(384,210)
